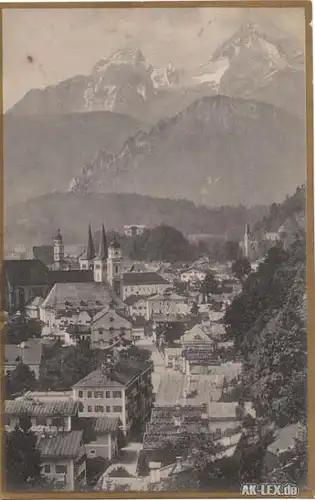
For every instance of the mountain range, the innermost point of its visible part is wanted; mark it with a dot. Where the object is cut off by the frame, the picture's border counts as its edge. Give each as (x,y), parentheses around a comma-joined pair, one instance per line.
(218,150)
(228,131)
(253,62)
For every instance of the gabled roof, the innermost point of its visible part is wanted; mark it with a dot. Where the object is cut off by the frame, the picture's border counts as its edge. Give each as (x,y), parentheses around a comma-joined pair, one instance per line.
(63,445)
(196,335)
(167,296)
(72,276)
(25,272)
(31,354)
(144,278)
(110,318)
(105,425)
(123,373)
(36,408)
(81,296)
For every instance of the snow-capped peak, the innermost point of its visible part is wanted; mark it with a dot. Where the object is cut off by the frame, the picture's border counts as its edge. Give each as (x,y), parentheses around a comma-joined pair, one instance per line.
(132,57)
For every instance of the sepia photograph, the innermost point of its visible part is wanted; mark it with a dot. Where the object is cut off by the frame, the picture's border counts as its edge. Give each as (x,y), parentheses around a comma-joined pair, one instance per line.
(158,257)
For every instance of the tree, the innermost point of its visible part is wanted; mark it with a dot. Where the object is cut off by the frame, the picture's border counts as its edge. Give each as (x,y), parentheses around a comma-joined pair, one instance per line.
(68,366)
(119,472)
(194,311)
(232,250)
(133,352)
(18,381)
(209,286)
(22,458)
(163,243)
(241,268)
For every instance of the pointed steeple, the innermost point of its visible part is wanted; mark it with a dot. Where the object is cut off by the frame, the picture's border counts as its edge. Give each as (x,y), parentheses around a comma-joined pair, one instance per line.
(90,252)
(103,250)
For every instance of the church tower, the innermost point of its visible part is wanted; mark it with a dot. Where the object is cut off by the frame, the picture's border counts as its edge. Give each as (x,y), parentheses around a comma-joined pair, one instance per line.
(86,259)
(59,254)
(100,261)
(114,266)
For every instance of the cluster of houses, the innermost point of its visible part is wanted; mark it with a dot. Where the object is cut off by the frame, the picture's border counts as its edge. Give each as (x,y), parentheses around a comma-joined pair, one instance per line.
(114,304)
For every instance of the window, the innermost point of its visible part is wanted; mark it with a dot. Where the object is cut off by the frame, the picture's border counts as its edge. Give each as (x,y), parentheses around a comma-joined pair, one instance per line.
(101,331)
(107,409)
(41,421)
(108,394)
(47,469)
(116,269)
(92,452)
(116,394)
(89,394)
(117,409)
(111,330)
(61,469)
(80,394)
(98,394)
(97,266)
(99,409)
(57,421)
(89,409)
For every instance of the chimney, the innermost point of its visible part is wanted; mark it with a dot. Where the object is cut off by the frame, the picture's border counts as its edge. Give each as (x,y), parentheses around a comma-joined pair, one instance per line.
(155,475)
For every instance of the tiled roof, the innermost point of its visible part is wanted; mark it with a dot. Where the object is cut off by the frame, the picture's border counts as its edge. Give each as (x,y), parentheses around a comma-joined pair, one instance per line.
(196,335)
(220,410)
(149,278)
(105,425)
(25,272)
(62,445)
(93,295)
(170,388)
(31,354)
(72,276)
(36,408)
(122,375)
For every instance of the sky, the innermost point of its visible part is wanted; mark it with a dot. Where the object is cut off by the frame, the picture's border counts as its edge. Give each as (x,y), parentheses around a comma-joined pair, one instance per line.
(42,47)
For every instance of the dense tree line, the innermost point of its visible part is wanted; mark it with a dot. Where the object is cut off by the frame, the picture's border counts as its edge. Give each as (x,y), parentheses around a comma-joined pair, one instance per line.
(267,321)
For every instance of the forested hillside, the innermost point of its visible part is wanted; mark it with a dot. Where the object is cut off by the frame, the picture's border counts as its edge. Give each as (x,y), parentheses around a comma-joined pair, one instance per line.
(268,323)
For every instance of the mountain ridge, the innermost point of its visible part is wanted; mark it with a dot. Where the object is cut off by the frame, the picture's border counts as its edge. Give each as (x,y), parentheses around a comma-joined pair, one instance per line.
(153,162)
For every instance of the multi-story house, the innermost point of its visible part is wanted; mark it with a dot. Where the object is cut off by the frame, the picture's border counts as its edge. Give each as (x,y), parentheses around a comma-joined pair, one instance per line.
(137,305)
(63,454)
(146,283)
(168,304)
(134,229)
(108,327)
(123,391)
(45,416)
(63,459)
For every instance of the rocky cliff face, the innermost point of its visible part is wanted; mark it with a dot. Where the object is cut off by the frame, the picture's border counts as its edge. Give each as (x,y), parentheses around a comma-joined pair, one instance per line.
(197,153)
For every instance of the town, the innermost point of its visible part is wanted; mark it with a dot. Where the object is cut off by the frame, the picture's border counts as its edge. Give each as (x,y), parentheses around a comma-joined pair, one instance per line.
(130,375)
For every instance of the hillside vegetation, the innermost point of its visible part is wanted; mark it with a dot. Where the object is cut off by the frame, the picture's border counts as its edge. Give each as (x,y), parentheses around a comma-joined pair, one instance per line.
(36,220)
(267,321)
